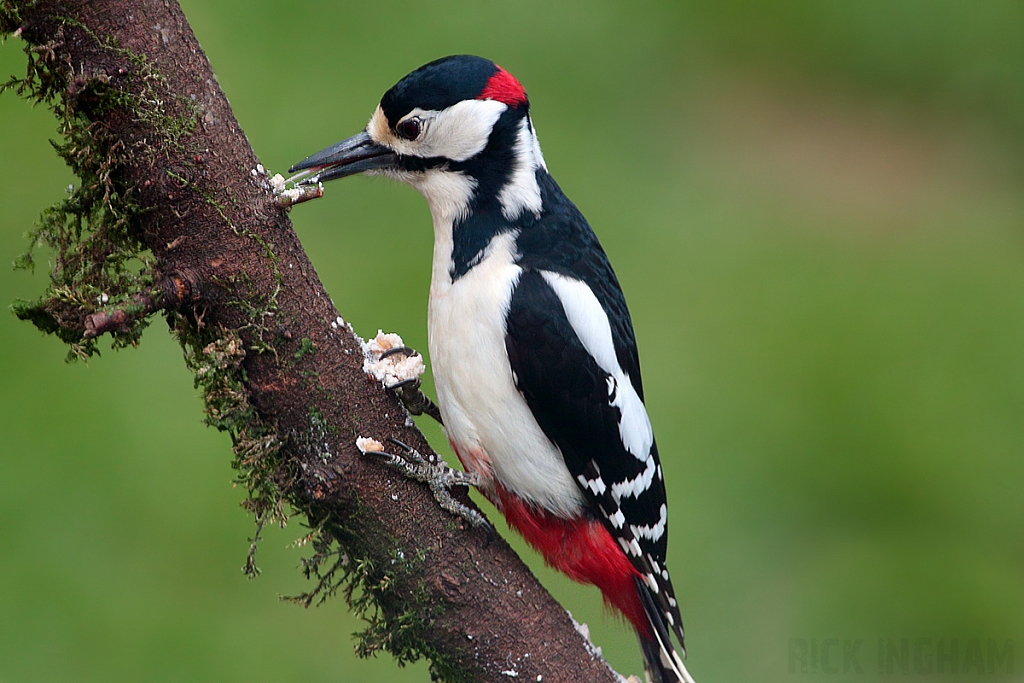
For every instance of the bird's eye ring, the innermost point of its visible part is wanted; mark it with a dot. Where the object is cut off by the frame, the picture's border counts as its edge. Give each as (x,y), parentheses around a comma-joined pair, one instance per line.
(408,129)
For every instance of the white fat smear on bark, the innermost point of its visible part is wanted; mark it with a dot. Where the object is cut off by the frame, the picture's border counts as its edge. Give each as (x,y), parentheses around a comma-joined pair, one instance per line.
(396,368)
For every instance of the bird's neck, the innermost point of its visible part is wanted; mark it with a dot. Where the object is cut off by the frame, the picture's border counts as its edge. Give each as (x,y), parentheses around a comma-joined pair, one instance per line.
(473,202)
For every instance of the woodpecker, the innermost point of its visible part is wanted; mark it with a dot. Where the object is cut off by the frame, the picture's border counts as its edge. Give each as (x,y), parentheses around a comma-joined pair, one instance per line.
(531,343)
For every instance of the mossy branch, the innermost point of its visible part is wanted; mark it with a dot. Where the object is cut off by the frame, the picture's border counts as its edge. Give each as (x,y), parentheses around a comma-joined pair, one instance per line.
(173,214)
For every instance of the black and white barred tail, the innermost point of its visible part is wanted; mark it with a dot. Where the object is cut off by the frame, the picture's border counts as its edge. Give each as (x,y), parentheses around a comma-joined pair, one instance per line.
(663,662)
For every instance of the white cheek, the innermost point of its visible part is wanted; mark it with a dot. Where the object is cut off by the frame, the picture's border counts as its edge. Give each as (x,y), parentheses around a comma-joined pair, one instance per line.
(458,133)
(461,131)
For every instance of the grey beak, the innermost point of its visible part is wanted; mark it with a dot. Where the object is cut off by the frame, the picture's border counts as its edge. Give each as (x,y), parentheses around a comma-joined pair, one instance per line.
(357,154)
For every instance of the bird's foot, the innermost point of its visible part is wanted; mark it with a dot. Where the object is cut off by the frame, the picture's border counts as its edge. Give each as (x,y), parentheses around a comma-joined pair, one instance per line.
(435,473)
(414,400)
(408,390)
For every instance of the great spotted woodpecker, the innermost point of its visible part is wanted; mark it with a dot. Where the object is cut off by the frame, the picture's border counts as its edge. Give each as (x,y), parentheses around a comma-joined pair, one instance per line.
(531,343)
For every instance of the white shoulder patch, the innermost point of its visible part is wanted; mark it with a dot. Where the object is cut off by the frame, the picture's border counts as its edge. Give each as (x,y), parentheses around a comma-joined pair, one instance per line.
(591,325)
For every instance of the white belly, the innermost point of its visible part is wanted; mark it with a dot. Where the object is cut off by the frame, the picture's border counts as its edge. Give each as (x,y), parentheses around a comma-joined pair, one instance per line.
(486,417)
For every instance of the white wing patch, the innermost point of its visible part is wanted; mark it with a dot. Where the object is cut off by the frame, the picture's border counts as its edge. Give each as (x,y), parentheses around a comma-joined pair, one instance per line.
(591,325)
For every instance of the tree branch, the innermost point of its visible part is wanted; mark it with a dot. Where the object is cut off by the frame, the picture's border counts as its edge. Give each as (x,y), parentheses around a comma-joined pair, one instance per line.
(174,213)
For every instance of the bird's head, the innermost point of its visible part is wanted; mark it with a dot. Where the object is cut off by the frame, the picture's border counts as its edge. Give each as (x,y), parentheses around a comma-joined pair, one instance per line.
(460,117)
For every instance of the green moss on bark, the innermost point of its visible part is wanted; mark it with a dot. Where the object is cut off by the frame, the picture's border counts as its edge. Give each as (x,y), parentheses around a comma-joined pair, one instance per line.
(215,358)
(398,618)
(98,259)
(100,263)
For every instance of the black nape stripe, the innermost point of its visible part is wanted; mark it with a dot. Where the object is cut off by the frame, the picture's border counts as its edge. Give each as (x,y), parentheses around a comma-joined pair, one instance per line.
(492,170)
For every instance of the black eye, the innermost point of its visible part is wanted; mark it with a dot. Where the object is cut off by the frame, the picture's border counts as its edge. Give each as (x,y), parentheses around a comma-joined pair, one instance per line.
(408,129)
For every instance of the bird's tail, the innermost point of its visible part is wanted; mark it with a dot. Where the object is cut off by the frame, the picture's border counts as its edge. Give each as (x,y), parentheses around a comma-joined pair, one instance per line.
(663,662)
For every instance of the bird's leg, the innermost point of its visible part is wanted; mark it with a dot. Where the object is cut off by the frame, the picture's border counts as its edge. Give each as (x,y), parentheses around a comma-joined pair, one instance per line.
(439,476)
(414,400)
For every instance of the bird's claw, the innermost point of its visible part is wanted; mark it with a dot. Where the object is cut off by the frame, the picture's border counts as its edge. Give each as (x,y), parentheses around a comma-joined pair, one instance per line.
(395,350)
(439,476)
(409,392)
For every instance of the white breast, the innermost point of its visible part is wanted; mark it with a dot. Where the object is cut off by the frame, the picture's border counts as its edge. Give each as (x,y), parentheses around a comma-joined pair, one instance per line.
(486,417)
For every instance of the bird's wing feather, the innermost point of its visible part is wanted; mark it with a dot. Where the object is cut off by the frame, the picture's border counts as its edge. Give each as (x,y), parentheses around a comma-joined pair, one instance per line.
(561,241)
(572,349)
(581,407)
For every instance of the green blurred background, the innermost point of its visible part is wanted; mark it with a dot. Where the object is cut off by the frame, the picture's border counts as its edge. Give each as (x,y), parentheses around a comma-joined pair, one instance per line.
(816,212)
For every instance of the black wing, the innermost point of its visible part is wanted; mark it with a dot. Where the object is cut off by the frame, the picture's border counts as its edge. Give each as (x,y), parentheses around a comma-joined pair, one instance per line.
(569,393)
(561,241)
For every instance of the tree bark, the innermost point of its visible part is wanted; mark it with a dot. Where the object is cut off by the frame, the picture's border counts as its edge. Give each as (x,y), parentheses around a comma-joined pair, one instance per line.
(170,172)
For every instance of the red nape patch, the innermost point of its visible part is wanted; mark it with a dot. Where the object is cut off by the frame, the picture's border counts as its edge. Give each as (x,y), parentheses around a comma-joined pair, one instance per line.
(583,550)
(504,87)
